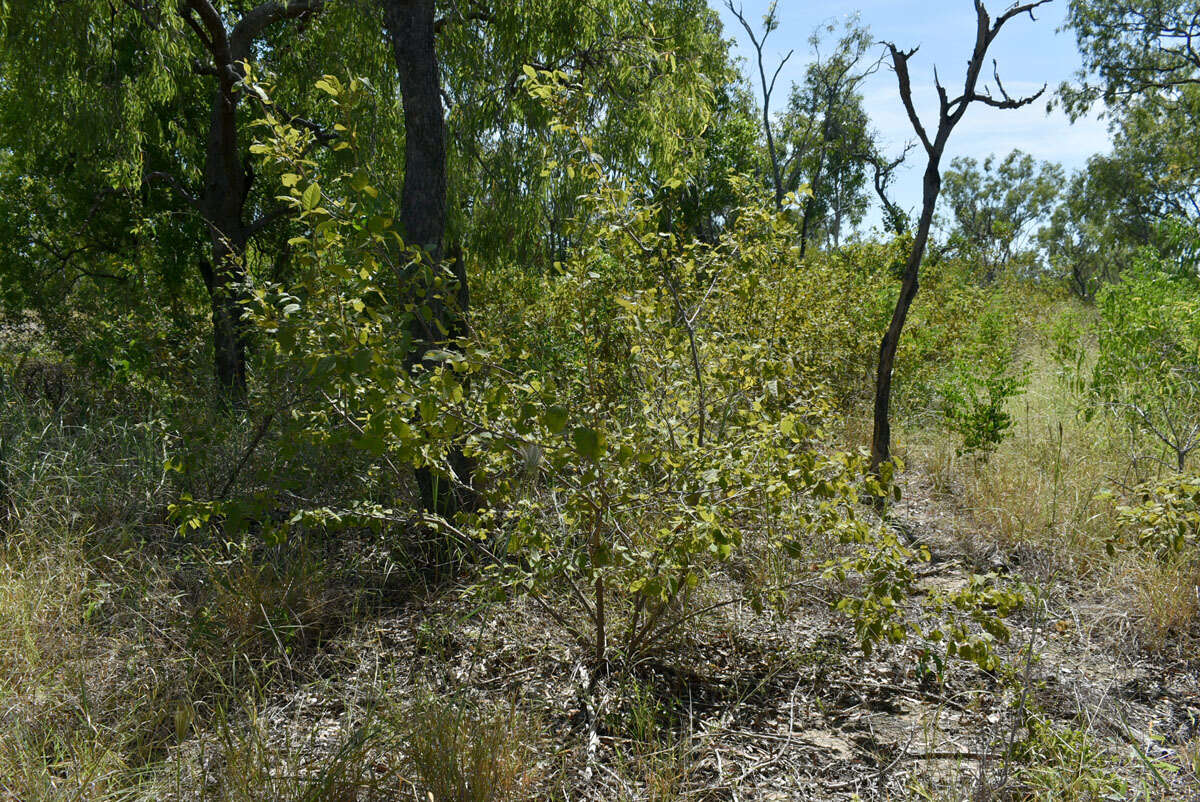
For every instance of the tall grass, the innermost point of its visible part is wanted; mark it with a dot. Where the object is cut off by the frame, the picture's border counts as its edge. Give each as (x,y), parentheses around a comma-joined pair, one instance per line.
(1047,497)
(137,664)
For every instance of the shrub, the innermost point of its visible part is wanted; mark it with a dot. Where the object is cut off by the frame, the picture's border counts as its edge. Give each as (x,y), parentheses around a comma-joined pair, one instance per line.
(1148,370)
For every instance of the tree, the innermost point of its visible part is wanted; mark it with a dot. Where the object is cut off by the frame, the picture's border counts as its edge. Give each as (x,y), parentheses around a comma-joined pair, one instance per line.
(950,114)
(822,142)
(1082,239)
(827,133)
(1148,368)
(883,173)
(148,97)
(767,87)
(1134,48)
(221,199)
(1141,61)
(651,84)
(411,26)
(994,207)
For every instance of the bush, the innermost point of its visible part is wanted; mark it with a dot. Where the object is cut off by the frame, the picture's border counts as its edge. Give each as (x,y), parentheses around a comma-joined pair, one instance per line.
(1148,370)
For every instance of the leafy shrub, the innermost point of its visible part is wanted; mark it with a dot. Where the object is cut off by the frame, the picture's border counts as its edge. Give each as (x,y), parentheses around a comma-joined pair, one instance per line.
(1165,515)
(976,407)
(659,406)
(1148,370)
(982,376)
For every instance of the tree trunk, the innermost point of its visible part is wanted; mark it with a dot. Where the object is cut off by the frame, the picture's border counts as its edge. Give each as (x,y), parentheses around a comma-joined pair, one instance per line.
(410,25)
(226,184)
(881,440)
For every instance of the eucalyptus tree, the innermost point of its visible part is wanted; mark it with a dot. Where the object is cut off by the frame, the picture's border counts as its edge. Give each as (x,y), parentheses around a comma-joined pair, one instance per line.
(826,131)
(822,141)
(993,208)
(139,109)
(1132,49)
(644,78)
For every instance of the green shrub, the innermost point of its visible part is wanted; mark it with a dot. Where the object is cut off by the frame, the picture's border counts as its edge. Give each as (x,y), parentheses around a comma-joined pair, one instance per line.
(1164,516)
(1148,370)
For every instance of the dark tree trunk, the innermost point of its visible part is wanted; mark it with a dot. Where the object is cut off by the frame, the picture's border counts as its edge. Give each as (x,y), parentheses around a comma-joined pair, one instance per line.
(226,184)
(950,113)
(410,25)
(221,202)
(881,439)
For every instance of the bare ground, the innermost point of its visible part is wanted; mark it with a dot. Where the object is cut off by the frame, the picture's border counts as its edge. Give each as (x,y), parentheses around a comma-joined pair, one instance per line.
(762,707)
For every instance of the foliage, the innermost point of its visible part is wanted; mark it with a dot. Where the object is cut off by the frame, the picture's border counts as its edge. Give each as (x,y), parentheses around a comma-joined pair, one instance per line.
(651,405)
(1140,62)
(111,141)
(1066,762)
(1148,369)
(994,207)
(1164,515)
(643,403)
(1135,49)
(1090,236)
(649,71)
(975,407)
(826,135)
(628,445)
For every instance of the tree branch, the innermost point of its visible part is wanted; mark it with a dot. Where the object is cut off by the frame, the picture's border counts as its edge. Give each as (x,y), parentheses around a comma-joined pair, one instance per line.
(255,21)
(173,182)
(900,65)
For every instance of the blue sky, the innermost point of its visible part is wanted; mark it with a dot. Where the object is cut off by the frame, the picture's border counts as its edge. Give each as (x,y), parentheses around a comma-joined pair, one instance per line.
(1028,53)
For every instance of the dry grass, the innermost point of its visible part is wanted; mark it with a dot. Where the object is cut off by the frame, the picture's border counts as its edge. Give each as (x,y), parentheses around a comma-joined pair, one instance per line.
(135,665)
(1161,599)
(1042,498)
(1040,488)
(458,753)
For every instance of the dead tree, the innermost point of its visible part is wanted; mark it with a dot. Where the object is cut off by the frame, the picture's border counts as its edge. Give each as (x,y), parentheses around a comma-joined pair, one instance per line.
(950,113)
(770,23)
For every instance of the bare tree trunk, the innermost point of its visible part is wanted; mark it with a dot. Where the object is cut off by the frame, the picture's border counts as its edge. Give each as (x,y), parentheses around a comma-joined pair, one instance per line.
(410,25)
(881,439)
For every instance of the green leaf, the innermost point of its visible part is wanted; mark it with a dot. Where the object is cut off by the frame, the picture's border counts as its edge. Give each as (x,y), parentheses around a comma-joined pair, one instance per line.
(588,443)
(311,197)
(555,419)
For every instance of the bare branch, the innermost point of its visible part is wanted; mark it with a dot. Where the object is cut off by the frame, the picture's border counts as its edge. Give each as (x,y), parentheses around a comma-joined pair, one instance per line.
(1016,11)
(779,69)
(900,65)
